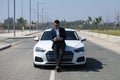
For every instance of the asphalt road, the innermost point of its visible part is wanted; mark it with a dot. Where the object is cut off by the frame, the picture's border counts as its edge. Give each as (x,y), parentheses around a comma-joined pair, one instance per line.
(16,64)
(10,41)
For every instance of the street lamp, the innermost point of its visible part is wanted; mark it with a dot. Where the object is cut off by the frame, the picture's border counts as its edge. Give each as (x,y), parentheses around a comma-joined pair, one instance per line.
(8,18)
(30,15)
(14,19)
(42,15)
(37,15)
(22,15)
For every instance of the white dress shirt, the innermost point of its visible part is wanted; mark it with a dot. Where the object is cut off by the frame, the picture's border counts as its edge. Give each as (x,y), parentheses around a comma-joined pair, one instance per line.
(57,32)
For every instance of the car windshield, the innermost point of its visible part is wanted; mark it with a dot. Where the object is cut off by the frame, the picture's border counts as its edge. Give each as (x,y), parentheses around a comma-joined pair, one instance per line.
(71,35)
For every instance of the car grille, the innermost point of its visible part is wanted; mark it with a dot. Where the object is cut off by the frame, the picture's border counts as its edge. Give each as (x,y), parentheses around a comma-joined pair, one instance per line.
(67,57)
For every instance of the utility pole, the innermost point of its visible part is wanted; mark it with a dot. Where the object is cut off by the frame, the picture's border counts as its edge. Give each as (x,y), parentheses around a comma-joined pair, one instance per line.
(30,15)
(45,17)
(22,8)
(108,25)
(14,19)
(37,15)
(22,15)
(42,18)
(42,14)
(8,19)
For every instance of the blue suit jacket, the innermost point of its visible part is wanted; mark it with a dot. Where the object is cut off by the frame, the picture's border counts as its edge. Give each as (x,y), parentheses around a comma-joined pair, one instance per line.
(62,34)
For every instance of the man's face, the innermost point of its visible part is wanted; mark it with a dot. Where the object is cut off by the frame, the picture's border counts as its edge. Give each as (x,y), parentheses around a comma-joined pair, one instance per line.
(56,25)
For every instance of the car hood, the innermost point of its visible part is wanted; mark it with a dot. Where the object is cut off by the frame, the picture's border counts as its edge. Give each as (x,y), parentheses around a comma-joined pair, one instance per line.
(70,44)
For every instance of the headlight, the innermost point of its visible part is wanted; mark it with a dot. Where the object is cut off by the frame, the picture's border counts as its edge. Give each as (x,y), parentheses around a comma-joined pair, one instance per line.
(37,49)
(79,49)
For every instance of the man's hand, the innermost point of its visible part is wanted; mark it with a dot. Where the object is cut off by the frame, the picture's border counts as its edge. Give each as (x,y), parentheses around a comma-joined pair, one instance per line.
(58,39)
(55,39)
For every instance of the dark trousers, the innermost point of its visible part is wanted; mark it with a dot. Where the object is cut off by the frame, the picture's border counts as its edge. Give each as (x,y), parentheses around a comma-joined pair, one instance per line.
(59,52)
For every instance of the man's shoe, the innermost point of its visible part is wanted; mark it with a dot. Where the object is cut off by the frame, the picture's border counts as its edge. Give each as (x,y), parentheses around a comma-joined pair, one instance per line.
(58,69)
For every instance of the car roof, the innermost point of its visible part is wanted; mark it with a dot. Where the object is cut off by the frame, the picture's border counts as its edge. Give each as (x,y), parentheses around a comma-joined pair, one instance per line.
(67,29)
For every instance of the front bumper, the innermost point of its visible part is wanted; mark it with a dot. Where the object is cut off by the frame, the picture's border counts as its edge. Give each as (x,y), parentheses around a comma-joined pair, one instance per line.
(69,58)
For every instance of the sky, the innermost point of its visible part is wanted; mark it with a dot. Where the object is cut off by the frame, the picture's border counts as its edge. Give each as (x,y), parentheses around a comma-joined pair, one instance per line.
(69,10)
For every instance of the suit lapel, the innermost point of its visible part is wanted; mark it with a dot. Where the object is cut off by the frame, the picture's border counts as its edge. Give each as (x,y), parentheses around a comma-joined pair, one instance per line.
(59,31)
(54,32)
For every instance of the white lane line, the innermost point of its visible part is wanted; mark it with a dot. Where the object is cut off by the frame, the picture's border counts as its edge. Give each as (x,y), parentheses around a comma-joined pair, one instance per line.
(52,75)
(16,42)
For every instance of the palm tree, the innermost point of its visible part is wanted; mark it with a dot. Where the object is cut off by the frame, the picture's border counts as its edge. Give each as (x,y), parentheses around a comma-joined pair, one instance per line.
(89,20)
(97,22)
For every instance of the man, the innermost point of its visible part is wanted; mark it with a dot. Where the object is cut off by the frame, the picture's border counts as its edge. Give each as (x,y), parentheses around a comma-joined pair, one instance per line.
(58,38)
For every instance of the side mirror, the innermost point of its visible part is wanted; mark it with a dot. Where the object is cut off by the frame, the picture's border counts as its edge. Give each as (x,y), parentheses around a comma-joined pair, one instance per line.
(83,39)
(36,39)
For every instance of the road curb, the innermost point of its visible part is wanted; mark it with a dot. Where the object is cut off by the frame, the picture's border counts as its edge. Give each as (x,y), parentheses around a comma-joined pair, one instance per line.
(21,37)
(5,47)
(102,42)
(31,33)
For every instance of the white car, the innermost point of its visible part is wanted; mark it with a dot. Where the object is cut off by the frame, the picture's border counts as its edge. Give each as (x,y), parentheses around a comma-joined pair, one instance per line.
(75,53)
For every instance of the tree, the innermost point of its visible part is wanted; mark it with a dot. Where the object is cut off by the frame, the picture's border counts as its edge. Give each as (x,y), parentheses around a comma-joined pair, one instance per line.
(8,21)
(21,23)
(117,18)
(98,21)
(89,21)
(63,23)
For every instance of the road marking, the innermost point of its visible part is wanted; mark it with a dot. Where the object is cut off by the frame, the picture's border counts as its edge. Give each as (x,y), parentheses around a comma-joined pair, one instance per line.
(52,75)
(16,42)
(12,44)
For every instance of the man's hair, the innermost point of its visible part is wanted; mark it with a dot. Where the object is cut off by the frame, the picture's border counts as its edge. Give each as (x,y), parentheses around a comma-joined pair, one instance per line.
(57,21)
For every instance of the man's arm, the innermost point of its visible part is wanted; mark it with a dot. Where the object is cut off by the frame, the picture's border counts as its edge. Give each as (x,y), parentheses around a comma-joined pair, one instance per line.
(64,35)
(53,38)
